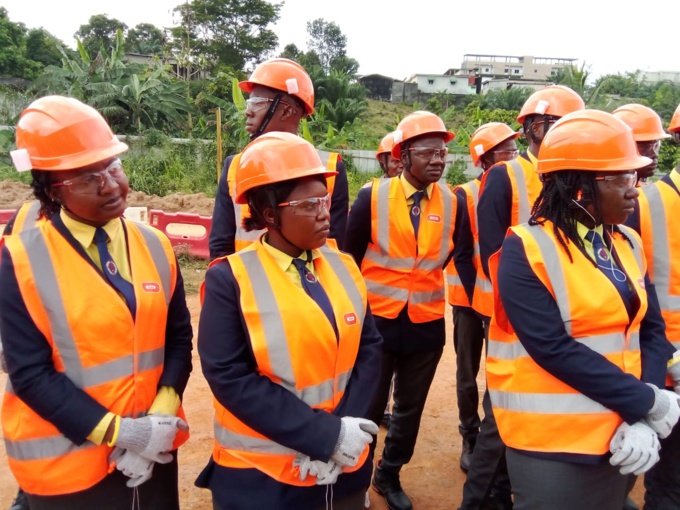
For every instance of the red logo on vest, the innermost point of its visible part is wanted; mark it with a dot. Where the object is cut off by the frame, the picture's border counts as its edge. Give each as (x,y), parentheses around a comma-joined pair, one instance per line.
(350,319)
(151,287)
(641,282)
(434,217)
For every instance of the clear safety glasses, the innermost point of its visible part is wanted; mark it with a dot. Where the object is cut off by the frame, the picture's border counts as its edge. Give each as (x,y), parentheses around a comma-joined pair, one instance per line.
(255,104)
(93,183)
(506,154)
(626,180)
(429,153)
(309,206)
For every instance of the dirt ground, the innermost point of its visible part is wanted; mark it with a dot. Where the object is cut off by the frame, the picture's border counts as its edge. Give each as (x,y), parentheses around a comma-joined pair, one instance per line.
(432,479)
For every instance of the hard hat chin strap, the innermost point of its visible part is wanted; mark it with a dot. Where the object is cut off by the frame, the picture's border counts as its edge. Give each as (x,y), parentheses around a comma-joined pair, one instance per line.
(268,117)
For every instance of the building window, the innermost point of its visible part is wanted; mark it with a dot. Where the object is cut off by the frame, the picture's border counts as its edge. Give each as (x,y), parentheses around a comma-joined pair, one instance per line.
(430,82)
(507,71)
(452,82)
(535,70)
(487,70)
(516,71)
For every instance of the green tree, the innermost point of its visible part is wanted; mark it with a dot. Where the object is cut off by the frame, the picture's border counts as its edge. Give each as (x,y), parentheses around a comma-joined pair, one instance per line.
(506,99)
(146,39)
(13,60)
(327,40)
(43,47)
(292,52)
(577,80)
(99,33)
(233,33)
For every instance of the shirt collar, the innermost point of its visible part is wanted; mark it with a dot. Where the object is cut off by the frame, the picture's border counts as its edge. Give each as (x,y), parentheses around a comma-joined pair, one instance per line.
(283,260)
(582,231)
(409,189)
(532,158)
(84,233)
(675,178)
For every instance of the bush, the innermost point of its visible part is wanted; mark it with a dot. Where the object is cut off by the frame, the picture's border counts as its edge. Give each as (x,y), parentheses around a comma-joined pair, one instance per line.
(456,175)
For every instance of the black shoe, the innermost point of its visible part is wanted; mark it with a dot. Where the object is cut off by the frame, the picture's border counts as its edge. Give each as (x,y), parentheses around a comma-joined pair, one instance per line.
(388,486)
(386,421)
(466,454)
(20,502)
(629,504)
(496,502)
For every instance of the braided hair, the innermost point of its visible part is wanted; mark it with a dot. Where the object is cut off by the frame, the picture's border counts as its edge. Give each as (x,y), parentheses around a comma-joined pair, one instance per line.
(41,185)
(556,203)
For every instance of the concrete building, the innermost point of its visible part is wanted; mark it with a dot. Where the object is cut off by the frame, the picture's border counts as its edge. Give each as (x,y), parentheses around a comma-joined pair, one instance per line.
(657,76)
(526,67)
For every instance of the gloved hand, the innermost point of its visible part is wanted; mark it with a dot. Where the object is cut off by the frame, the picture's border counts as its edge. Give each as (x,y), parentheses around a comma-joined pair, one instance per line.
(674,370)
(326,473)
(150,436)
(665,412)
(635,448)
(355,434)
(132,465)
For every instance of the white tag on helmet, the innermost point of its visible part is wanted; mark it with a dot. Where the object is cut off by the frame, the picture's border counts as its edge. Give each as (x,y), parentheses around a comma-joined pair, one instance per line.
(21,160)
(479,149)
(292,86)
(542,107)
(398,136)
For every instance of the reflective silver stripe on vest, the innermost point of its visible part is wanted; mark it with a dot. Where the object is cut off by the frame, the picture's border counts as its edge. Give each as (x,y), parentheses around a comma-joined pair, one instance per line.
(160,259)
(346,280)
(386,291)
(546,403)
(662,255)
(447,232)
(607,344)
(553,268)
(324,157)
(384,260)
(9,389)
(522,192)
(31,217)
(419,298)
(273,328)
(383,214)
(234,441)
(48,291)
(637,247)
(453,280)
(43,448)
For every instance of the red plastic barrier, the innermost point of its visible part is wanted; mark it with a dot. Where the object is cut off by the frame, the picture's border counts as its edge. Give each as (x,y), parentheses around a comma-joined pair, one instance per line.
(185,230)
(6,215)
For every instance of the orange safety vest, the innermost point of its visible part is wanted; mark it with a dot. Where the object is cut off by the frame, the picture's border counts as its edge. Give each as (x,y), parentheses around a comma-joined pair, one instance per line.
(525,185)
(659,208)
(316,368)
(482,299)
(397,269)
(95,342)
(244,238)
(27,217)
(536,411)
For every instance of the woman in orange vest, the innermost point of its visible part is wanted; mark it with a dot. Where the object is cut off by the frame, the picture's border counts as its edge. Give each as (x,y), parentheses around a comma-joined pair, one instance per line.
(577,349)
(288,346)
(95,328)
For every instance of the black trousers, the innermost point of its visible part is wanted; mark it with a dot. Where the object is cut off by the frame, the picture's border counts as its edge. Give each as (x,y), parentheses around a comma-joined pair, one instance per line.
(662,482)
(488,471)
(111,493)
(413,375)
(468,340)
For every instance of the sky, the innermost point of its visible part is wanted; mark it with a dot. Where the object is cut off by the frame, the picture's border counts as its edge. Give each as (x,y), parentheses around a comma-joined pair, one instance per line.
(401,38)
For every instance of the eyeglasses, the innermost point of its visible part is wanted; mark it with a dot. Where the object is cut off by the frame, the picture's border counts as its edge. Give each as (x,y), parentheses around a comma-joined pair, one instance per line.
(429,153)
(650,147)
(255,104)
(626,180)
(507,153)
(92,183)
(309,206)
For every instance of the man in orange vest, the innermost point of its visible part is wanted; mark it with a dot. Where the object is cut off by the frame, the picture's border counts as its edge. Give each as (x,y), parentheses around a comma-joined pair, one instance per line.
(648,133)
(656,211)
(490,144)
(281,94)
(390,165)
(507,194)
(401,233)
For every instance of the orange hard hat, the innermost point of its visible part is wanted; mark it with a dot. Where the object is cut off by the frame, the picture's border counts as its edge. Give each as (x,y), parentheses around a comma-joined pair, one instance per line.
(486,137)
(590,140)
(675,121)
(385,145)
(555,100)
(285,75)
(416,124)
(645,122)
(61,133)
(276,157)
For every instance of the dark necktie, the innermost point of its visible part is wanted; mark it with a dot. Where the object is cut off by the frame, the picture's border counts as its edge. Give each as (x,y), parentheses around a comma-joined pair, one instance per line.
(608,266)
(314,290)
(110,270)
(415,211)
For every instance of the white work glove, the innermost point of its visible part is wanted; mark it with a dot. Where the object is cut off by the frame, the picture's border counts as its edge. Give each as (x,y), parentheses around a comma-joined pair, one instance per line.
(355,434)
(151,436)
(326,473)
(132,465)
(635,448)
(665,412)
(674,371)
